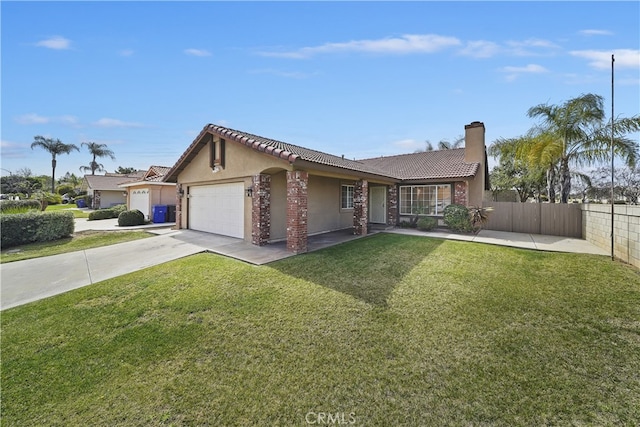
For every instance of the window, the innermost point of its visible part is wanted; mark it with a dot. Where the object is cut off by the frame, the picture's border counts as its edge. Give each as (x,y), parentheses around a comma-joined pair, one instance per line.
(216,148)
(424,199)
(346,197)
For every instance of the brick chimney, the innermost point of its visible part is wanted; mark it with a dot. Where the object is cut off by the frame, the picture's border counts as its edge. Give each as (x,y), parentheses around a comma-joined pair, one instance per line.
(475,152)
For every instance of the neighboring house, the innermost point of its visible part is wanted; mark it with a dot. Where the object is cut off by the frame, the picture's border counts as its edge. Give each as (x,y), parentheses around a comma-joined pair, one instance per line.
(262,190)
(149,190)
(104,189)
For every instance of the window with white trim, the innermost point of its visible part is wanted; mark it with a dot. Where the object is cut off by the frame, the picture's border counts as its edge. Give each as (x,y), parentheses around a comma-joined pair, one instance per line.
(346,196)
(424,199)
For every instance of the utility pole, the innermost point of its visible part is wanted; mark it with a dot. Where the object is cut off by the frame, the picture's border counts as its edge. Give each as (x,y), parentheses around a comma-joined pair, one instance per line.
(612,165)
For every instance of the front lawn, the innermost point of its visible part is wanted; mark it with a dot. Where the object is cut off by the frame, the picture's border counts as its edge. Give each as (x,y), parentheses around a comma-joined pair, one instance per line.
(383,331)
(77,213)
(77,242)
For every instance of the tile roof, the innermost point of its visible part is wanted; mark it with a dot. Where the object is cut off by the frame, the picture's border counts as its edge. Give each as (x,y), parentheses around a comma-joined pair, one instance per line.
(438,164)
(108,182)
(428,165)
(153,174)
(293,152)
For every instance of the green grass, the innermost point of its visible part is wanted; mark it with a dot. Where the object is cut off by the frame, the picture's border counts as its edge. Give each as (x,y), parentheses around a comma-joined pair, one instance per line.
(392,330)
(77,242)
(69,206)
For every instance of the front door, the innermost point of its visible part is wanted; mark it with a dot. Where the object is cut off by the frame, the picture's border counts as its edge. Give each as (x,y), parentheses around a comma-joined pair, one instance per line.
(378,205)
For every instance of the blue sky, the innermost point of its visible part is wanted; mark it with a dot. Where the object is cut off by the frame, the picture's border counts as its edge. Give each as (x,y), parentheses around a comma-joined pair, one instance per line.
(362,79)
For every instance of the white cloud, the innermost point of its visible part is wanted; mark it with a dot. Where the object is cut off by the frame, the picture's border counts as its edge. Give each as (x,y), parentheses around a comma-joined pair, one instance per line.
(599,59)
(406,44)
(530,47)
(514,72)
(32,119)
(197,52)
(55,42)
(126,52)
(595,32)
(12,150)
(480,49)
(36,119)
(115,123)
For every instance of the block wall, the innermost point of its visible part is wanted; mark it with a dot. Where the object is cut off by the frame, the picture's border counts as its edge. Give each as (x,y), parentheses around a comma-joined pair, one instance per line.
(596,228)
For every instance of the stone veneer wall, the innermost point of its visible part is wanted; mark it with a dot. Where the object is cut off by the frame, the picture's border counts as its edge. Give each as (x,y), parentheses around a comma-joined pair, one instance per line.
(178,207)
(460,193)
(261,209)
(596,228)
(360,207)
(96,199)
(392,205)
(297,210)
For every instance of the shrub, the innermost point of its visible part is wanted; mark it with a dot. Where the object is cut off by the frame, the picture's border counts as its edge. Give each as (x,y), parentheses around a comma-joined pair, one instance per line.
(102,214)
(118,209)
(66,189)
(18,206)
(128,218)
(457,218)
(33,227)
(427,223)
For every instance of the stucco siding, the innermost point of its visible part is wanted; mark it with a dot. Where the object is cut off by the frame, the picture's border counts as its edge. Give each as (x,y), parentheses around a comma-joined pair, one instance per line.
(324,206)
(110,198)
(278,206)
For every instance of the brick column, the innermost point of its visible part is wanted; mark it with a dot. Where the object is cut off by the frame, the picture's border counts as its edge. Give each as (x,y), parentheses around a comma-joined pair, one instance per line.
(460,193)
(297,182)
(261,209)
(392,205)
(360,207)
(96,199)
(178,207)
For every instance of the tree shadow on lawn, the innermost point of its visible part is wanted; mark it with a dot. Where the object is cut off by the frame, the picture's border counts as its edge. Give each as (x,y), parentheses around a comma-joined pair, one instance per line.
(368,269)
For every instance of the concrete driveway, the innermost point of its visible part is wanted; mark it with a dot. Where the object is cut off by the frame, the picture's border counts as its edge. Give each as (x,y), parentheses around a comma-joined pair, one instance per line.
(34,279)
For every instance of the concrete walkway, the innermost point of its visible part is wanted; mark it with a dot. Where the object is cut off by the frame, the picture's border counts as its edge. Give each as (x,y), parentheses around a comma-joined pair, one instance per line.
(517,240)
(31,280)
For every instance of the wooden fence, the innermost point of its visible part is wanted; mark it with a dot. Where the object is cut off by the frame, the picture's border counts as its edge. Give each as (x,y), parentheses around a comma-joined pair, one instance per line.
(552,219)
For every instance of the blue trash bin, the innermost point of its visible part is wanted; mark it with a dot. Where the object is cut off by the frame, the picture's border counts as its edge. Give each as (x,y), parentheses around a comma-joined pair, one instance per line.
(80,203)
(159,213)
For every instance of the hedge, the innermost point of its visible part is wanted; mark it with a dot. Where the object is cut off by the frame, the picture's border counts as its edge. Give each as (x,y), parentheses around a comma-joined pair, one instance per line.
(33,227)
(107,213)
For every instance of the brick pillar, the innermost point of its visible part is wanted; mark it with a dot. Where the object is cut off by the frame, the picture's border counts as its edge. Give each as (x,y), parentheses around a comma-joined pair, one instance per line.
(361,207)
(297,182)
(96,199)
(178,207)
(261,209)
(460,193)
(392,205)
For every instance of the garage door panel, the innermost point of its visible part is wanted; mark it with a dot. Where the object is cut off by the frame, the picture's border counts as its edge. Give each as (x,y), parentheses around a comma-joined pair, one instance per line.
(217,209)
(140,201)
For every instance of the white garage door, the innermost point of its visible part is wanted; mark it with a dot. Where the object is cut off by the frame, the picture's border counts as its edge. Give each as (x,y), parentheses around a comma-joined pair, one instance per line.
(217,209)
(140,201)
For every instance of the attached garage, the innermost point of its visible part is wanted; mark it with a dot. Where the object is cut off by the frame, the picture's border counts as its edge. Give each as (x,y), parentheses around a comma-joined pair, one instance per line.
(217,209)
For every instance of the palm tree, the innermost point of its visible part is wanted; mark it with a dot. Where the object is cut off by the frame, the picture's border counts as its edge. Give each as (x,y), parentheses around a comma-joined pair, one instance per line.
(446,145)
(576,132)
(96,150)
(55,147)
